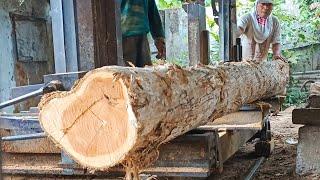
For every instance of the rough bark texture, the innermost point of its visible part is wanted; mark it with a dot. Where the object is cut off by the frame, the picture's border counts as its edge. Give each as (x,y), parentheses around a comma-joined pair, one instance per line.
(121,114)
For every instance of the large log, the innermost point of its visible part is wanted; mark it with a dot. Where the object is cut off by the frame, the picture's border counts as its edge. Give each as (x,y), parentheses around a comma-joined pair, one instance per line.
(122,114)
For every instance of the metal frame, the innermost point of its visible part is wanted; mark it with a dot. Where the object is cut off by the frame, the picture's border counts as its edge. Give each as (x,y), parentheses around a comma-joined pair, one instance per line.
(70,36)
(58,36)
(221,146)
(64,36)
(226,17)
(218,147)
(215,143)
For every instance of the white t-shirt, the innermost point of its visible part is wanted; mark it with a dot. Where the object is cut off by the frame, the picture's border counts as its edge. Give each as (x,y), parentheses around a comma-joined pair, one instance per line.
(248,43)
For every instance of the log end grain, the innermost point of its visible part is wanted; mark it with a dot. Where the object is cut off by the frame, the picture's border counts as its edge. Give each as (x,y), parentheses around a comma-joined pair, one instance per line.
(96,137)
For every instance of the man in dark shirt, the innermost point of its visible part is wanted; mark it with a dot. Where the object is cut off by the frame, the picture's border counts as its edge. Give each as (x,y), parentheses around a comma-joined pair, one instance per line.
(138,18)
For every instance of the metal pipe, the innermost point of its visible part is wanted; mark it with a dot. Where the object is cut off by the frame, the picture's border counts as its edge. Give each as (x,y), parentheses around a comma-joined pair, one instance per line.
(225,30)
(253,170)
(24,137)
(21,98)
(54,85)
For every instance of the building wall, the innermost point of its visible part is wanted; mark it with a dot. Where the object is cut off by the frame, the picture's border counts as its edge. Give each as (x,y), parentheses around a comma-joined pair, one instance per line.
(25,44)
(6,53)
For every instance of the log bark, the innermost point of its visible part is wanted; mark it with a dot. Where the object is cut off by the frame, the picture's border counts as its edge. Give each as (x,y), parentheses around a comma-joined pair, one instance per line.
(122,114)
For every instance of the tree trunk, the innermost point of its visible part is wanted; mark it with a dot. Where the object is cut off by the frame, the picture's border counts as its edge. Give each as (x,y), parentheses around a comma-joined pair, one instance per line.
(121,114)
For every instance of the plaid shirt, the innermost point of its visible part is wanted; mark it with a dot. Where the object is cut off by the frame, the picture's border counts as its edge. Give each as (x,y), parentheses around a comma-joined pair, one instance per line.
(138,17)
(262,20)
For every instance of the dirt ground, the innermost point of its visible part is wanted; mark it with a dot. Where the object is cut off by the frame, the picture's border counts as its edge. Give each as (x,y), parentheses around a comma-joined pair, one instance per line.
(280,165)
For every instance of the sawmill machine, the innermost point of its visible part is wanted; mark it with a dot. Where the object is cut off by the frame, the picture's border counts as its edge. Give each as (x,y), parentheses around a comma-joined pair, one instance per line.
(198,153)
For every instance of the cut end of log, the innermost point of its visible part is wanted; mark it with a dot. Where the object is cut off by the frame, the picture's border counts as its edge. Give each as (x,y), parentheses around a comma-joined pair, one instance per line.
(94,136)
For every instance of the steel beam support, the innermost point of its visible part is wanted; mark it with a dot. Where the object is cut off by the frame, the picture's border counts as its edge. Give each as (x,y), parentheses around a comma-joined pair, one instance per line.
(227,29)
(233,25)
(224,30)
(58,36)
(70,36)
(64,35)
(23,124)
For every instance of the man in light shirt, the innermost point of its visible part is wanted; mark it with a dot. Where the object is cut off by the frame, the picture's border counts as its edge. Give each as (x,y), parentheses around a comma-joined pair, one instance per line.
(259,30)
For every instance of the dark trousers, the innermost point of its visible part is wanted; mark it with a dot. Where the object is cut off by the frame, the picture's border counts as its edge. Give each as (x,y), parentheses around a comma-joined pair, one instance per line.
(136,50)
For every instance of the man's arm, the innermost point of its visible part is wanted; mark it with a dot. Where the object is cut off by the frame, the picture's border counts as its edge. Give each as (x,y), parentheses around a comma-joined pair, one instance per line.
(242,24)
(155,24)
(156,28)
(276,50)
(276,45)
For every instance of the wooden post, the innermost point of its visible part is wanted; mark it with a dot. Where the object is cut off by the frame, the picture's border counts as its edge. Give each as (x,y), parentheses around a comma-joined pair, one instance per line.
(98,33)
(85,34)
(196,24)
(204,47)
(108,37)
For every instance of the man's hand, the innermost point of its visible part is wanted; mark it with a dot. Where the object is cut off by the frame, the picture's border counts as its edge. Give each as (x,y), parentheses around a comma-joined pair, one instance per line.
(276,49)
(161,47)
(279,57)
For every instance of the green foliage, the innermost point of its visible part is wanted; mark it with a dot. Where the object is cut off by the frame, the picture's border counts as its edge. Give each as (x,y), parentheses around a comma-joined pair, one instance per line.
(214,38)
(301,29)
(166,4)
(295,96)
(179,62)
(300,59)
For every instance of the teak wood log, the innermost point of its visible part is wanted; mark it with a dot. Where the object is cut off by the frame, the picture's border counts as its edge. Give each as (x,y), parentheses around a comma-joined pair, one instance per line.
(122,114)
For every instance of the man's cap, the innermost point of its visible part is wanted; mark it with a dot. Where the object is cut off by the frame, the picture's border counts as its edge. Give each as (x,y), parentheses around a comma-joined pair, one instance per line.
(264,1)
